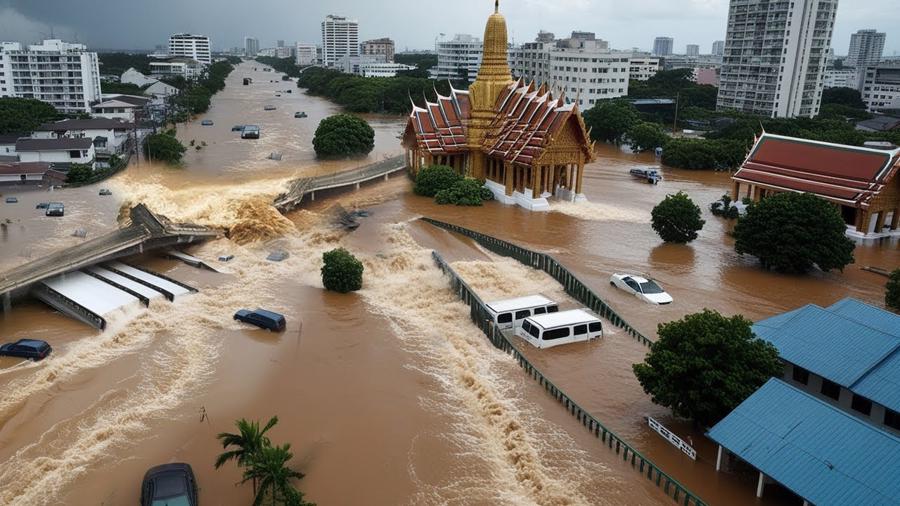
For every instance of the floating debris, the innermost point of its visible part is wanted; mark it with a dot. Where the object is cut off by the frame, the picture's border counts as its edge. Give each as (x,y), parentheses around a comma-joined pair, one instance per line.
(277,256)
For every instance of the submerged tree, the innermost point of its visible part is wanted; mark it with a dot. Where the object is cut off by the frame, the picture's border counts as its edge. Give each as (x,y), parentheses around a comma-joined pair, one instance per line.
(341,271)
(246,443)
(677,218)
(270,471)
(343,135)
(705,364)
(434,178)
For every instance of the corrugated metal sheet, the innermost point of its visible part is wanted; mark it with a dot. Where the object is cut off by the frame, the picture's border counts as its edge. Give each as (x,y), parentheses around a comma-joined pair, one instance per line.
(871,316)
(824,455)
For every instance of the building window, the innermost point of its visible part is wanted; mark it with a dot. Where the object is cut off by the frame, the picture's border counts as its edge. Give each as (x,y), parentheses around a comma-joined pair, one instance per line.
(892,418)
(801,375)
(861,404)
(830,389)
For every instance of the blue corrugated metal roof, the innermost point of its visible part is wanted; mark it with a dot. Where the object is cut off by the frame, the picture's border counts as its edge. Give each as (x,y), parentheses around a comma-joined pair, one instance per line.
(828,344)
(871,316)
(823,454)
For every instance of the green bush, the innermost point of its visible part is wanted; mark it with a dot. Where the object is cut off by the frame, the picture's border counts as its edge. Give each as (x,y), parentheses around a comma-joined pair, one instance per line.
(341,271)
(724,208)
(609,120)
(464,192)
(791,232)
(677,218)
(343,135)
(705,364)
(645,136)
(892,291)
(434,178)
(79,174)
(164,147)
(23,115)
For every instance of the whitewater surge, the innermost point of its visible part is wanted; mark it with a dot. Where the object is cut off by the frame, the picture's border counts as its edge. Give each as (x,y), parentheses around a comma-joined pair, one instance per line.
(594,211)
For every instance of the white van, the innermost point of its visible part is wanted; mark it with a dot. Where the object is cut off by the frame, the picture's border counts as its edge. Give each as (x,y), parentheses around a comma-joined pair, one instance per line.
(509,313)
(544,331)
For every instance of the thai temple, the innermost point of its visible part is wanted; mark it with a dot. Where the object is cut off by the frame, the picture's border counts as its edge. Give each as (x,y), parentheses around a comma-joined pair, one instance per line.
(524,142)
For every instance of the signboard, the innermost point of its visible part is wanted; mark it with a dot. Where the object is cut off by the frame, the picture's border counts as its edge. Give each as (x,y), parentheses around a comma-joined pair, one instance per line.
(672,438)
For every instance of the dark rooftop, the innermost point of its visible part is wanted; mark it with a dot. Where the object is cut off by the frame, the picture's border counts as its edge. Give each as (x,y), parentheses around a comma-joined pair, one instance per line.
(62,144)
(85,124)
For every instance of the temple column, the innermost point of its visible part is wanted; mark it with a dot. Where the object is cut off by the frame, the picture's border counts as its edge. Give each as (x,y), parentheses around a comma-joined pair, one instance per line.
(895,220)
(507,170)
(862,221)
(879,222)
(578,178)
(736,193)
(538,177)
(569,176)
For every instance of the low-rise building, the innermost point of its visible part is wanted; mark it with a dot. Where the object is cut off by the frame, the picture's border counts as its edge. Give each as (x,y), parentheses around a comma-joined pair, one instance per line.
(354,64)
(190,46)
(383,46)
(861,181)
(383,69)
(833,417)
(160,89)
(306,54)
(110,136)
(121,107)
(880,87)
(62,152)
(641,68)
(879,124)
(8,144)
(133,76)
(841,78)
(29,173)
(176,67)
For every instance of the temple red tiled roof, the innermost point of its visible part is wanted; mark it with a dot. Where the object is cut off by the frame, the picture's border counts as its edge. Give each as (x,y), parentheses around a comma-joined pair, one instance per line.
(848,175)
(526,120)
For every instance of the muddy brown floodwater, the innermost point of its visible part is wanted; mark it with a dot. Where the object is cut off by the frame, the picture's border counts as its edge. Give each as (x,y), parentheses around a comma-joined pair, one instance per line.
(389,395)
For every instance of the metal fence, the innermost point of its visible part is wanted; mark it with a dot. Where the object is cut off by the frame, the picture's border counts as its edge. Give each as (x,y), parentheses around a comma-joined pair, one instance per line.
(574,286)
(480,316)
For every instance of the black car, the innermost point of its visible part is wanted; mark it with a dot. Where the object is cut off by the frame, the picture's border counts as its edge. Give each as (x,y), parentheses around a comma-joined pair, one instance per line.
(42,205)
(169,485)
(26,348)
(261,318)
(55,209)
(250,132)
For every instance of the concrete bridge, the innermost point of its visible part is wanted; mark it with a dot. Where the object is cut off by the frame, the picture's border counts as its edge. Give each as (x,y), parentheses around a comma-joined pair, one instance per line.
(298,189)
(146,232)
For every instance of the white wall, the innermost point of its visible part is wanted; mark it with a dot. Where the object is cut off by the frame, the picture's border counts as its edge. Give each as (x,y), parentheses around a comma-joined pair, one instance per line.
(55,156)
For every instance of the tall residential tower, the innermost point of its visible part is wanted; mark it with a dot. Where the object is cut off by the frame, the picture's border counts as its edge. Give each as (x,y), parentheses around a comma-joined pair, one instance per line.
(663,46)
(775,53)
(866,47)
(196,47)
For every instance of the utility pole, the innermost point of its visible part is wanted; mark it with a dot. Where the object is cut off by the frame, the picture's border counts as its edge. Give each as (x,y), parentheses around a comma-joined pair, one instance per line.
(675,123)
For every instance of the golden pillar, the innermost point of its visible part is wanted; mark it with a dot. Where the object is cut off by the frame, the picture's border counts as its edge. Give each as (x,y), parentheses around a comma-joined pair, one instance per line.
(579,177)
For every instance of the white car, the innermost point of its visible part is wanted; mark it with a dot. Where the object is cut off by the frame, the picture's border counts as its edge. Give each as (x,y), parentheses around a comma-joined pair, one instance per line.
(642,288)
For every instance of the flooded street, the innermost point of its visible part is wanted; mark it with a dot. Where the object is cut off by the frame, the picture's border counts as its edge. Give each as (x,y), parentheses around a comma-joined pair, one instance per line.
(390,395)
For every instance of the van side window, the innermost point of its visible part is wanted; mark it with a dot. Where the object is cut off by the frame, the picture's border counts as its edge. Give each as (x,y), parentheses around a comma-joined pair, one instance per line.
(504,318)
(556,334)
(552,309)
(540,310)
(580,329)
(523,314)
(595,327)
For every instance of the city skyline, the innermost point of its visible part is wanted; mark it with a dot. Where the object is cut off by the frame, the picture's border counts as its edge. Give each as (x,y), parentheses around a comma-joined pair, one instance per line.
(687,21)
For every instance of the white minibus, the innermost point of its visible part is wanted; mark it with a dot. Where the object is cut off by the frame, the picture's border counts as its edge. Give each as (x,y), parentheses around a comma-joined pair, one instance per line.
(509,313)
(544,331)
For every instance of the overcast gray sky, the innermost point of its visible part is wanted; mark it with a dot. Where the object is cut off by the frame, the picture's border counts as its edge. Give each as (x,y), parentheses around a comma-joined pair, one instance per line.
(413,24)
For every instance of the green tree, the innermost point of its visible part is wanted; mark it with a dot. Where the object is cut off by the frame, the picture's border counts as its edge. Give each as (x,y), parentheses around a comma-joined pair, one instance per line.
(609,120)
(343,135)
(164,147)
(892,291)
(435,178)
(79,174)
(645,136)
(705,364)
(123,88)
(791,232)
(23,115)
(464,192)
(677,218)
(843,96)
(341,271)
(269,469)
(246,443)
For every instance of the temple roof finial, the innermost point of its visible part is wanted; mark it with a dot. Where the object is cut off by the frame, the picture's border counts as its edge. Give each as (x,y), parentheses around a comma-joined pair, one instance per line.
(496,5)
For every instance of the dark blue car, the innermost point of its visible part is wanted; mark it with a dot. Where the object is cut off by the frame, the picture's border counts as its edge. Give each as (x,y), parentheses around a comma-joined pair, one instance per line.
(261,318)
(26,348)
(169,485)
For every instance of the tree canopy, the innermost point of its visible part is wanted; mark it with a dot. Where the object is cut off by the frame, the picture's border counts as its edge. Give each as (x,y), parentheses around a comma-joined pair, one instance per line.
(343,135)
(116,63)
(341,271)
(463,192)
(791,232)
(677,218)
(892,291)
(609,120)
(164,147)
(435,178)
(645,136)
(849,97)
(285,65)
(705,364)
(23,115)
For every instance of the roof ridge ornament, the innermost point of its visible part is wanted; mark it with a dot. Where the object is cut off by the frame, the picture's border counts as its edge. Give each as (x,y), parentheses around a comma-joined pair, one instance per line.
(496,6)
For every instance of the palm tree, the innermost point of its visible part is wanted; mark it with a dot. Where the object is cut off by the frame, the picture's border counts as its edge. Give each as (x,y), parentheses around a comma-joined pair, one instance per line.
(269,468)
(249,441)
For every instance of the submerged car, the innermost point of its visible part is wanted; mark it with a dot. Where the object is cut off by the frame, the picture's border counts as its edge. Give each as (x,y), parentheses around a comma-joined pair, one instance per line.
(55,209)
(263,319)
(237,128)
(12,200)
(33,349)
(169,485)
(104,191)
(642,288)
(269,108)
(42,205)
(250,132)
(207,122)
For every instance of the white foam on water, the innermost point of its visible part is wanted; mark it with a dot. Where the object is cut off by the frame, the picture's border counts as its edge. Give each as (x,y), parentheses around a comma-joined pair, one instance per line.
(595,211)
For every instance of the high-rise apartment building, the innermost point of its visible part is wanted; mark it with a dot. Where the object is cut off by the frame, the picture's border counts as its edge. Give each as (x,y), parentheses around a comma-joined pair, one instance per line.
(458,58)
(279,43)
(718,48)
(340,37)
(196,47)
(866,47)
(64,75)
(251,46)
(775,53)
(305,54)
(663,46)
(692,50)
(880,87)
(383,46)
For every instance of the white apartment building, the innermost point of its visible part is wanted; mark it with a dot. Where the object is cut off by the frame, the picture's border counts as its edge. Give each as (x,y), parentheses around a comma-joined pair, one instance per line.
(251,47)
(582,66)
(663,46)
(340,37)
(305,54)
(458,58)
(880,88)
(185,67)
(388,69)
(775,55)
(866,48)
(843,78)
(64,75)
(641,68)
(383,46)
(195,47)
(692,50)
(284,52)
(718,48)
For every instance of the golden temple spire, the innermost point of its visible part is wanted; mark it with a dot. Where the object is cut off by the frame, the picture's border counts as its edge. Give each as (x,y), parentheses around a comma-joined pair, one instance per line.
(494,65)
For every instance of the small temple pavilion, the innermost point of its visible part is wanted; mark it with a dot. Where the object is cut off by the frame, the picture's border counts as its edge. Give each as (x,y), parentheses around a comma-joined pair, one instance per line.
(524,142)
(861,181)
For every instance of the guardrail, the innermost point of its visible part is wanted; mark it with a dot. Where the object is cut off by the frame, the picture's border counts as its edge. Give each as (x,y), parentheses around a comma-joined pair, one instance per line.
(480,316)
(574,286)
